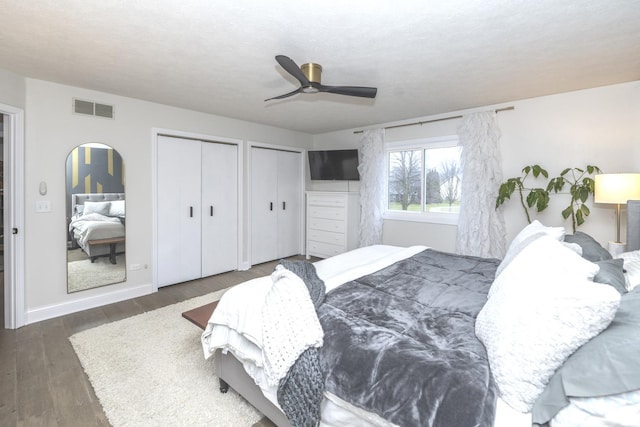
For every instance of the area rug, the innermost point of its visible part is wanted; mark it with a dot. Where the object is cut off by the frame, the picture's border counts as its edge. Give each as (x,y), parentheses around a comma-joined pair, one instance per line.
(85,274)
(149,370)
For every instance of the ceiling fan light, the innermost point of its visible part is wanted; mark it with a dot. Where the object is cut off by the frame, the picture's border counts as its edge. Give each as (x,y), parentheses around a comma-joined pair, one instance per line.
(312,71)
(310,89)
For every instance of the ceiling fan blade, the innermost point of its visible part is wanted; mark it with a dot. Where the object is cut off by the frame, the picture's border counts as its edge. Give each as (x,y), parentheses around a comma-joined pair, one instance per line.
(291,68)
(363,92)
(286,95)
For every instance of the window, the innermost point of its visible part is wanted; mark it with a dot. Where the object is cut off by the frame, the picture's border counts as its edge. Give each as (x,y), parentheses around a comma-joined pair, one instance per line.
(424,179)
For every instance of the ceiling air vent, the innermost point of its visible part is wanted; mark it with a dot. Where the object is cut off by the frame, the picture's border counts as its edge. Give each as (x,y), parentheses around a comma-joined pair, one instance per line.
(92,108)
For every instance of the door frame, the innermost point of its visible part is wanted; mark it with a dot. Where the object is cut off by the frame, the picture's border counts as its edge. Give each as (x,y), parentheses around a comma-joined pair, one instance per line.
(155,133)
(13,155)
(302,151)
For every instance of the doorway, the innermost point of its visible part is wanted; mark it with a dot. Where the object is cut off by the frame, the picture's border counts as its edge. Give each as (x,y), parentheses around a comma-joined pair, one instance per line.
(2,119)
(12,209)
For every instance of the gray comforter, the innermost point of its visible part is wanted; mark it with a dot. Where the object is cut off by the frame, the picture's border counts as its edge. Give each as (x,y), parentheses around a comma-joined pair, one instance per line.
(400,342)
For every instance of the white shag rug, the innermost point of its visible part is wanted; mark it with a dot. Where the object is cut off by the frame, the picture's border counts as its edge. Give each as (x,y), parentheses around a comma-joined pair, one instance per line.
(149,370)
(85,274)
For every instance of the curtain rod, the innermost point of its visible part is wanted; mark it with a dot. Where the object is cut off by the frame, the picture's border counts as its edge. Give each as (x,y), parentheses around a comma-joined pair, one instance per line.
(436,120)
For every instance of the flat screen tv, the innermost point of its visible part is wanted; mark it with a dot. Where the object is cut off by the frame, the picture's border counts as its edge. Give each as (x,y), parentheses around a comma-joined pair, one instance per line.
(334,165)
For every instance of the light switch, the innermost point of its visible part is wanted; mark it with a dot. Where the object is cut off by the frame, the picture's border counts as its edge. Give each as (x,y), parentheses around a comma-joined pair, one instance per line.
(43,206)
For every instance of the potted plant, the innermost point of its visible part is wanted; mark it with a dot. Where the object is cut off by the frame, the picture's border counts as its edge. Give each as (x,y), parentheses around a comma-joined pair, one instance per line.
(579,181)
(581,186)
(538,197)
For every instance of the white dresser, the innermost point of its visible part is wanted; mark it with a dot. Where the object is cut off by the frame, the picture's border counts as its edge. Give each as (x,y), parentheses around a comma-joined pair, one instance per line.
(333,220)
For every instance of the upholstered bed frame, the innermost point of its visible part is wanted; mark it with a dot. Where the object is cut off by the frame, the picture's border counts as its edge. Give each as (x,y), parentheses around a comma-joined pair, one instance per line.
(79,200)
(231,372)
(633,225)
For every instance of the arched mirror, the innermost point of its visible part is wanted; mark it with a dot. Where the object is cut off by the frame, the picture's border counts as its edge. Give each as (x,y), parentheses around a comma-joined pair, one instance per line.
(95,209)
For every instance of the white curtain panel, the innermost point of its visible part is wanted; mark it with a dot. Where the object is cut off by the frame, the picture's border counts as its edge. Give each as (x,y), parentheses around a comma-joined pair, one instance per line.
(481,228)
(372,175)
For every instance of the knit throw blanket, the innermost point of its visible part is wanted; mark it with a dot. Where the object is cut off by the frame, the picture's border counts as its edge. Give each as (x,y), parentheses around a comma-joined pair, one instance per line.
(300,391)
(290,324)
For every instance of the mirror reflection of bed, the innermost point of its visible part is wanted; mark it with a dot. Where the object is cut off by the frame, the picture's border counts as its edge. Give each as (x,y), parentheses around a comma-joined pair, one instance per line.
(96,235)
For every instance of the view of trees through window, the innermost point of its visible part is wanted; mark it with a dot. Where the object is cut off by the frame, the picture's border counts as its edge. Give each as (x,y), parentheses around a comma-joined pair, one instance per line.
(425,180)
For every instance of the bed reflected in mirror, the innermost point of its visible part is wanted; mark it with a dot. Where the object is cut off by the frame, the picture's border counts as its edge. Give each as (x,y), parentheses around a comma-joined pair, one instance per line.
(95,206)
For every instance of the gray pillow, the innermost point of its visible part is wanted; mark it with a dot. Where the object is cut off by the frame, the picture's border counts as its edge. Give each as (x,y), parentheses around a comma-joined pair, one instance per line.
(612,273)
(591,249)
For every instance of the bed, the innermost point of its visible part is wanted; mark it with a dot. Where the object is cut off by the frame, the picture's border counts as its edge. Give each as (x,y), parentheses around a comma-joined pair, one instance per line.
(585,373)
(97,224)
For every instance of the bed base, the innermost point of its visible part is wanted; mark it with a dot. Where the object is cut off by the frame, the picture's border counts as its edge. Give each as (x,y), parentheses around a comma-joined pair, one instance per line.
(232,374)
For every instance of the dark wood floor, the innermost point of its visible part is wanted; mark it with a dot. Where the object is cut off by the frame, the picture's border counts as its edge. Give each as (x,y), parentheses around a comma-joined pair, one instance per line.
(43,383)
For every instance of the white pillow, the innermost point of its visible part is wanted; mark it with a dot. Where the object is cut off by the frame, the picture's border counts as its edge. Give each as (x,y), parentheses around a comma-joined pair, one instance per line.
(529,330)
(527,235)
(548,256)
(539,314)
(632,268)
(96,207)
(116,208)
(573,246)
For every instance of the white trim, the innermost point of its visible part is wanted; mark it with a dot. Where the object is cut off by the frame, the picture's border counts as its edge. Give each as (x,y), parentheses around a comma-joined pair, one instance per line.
(252,144)
(431,217)
(241,262)
(14,217)
(155,133)
(62,309)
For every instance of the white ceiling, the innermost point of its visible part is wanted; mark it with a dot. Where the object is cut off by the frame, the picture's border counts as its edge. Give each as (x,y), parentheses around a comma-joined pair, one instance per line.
(424,56)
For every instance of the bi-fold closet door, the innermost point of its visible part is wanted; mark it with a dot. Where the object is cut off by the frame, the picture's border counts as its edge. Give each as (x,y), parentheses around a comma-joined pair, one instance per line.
(197,209)
(276,204)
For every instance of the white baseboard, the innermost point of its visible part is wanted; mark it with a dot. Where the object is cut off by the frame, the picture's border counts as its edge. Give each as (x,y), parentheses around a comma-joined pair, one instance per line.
(62,309)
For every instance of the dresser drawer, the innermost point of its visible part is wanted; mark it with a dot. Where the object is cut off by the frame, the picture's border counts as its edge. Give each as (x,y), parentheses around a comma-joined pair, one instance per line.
(326,200)
(334,226)
(326,212)
(324,250)
(327,237)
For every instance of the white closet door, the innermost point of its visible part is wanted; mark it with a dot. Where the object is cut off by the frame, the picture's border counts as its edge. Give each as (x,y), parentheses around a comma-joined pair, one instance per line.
(178,210)
(264,200)
(219,208)
(289,203)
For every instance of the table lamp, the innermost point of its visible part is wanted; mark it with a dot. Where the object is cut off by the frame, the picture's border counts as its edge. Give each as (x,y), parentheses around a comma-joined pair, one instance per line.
(617,188)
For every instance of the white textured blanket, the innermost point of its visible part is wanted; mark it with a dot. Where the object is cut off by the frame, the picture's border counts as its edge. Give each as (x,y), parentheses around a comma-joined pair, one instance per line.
(290,325)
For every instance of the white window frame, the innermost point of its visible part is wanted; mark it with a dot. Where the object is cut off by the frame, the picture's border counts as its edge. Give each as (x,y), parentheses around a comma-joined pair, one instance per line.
(418,144)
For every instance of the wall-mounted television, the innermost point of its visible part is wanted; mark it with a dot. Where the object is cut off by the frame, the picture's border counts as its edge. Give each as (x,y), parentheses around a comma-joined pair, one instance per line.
(334,165)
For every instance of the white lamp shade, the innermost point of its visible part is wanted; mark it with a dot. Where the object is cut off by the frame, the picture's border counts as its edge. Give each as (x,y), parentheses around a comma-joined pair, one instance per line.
(617,188)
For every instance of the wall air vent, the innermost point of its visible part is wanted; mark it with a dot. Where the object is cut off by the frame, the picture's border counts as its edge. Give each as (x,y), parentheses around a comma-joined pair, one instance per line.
(92,108)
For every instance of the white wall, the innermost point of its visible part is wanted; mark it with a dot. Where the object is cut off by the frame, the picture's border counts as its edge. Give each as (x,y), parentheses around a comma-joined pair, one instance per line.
(598,126)
(52,131)
(12,89)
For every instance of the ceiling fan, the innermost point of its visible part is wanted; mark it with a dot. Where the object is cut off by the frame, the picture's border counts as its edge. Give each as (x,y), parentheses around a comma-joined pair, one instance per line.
(309,77)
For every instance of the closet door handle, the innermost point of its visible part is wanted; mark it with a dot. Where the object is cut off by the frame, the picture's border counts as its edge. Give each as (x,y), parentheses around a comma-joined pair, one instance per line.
(271,206)
(191,211)
(211,210)
(284,206)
